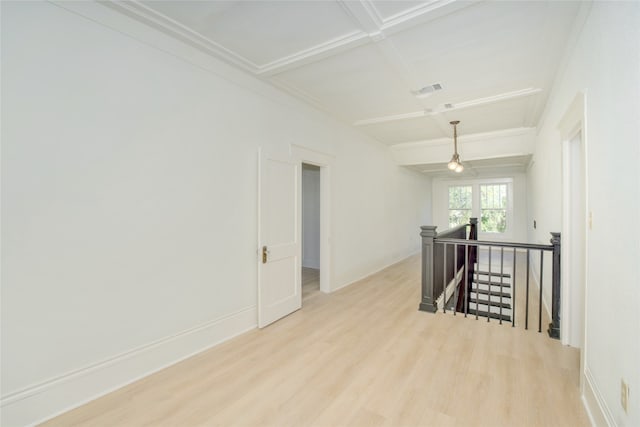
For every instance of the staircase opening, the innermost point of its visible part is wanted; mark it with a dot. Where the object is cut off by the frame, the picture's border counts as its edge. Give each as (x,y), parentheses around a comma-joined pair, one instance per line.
(490,280)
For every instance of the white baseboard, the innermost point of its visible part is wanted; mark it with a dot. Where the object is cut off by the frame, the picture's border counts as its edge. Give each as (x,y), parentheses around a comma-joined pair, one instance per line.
(597,410)
(44,401)
(311,263)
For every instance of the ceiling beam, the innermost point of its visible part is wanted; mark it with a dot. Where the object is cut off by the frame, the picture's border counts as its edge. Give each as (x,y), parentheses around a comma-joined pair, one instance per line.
(458,106)
(315,53)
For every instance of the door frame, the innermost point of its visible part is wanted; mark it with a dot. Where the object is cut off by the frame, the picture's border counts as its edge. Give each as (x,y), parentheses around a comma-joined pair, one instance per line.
(324,161)
(572,124)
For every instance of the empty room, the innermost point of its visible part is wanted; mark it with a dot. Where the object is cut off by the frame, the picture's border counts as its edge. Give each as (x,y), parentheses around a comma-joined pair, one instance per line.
(323,213)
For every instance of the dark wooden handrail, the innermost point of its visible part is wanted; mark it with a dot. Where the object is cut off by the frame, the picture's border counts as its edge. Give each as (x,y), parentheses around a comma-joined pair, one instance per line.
(441,273)
(446,254)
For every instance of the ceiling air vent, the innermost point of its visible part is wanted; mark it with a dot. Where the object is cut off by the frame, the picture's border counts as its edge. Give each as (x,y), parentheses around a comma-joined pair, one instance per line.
(448,106)
(427,90)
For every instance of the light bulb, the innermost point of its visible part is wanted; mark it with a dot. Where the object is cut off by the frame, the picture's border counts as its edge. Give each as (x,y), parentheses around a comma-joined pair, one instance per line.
(459,168)
(452,165)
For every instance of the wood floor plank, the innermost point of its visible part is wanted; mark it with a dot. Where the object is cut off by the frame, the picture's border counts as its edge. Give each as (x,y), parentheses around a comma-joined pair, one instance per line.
(362,356)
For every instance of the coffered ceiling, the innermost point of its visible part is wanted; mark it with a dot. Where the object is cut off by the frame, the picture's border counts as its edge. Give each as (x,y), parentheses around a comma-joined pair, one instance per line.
(365,61)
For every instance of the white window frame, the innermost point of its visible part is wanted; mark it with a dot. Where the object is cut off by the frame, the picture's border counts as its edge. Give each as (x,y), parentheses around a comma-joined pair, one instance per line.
(448,204)
(475,204)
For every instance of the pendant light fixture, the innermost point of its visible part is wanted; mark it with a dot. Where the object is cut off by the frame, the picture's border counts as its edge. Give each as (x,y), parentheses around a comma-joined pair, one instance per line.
(455,164)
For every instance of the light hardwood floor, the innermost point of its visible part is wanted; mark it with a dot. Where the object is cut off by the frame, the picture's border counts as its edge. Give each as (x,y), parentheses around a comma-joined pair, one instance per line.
(362,356)
(310,283)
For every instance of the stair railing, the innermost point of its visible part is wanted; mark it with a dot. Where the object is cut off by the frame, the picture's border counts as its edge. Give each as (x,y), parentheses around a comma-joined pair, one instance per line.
(452,277)
(452,262)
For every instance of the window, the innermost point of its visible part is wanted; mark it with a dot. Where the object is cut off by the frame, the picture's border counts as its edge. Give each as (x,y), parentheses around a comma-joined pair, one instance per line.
(460,204)
(493,208)
(489,200)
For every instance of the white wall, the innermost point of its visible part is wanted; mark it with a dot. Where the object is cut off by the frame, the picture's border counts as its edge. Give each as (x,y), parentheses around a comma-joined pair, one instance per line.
(604,63)
(129,201)
(310,216)
(516,225)
(385,202)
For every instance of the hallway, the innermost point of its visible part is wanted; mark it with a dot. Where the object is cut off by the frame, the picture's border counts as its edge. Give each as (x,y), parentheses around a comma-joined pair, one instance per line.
(361,356)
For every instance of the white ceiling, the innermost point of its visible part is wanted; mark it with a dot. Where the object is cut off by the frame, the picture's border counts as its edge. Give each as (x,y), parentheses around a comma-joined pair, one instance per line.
(360,60)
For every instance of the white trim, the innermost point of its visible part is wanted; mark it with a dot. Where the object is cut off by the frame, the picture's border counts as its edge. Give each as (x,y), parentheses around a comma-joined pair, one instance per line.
(325,162)
(314,53)
(458,106)
(571,124)
(476,137)
(599,413)
(373,32)
(476,209)
(146,15)
(419,14)
(394,117)
(43,401)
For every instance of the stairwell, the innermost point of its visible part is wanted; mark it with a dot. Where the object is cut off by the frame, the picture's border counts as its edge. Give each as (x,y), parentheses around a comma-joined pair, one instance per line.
(461,274)
(490,295)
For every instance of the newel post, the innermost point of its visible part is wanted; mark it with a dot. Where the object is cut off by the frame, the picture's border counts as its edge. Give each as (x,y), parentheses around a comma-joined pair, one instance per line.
(428,302)
(554,326)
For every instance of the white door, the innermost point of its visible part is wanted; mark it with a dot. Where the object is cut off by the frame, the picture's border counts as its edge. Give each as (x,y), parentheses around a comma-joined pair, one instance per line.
(279,287)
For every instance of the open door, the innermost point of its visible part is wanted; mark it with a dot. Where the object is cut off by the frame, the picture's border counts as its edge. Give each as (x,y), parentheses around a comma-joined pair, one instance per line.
(279,287)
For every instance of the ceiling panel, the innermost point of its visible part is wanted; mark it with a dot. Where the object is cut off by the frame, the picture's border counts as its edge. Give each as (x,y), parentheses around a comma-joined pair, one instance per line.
(488,48)
(399,131)
(261,31)
(479,51)
(357,84)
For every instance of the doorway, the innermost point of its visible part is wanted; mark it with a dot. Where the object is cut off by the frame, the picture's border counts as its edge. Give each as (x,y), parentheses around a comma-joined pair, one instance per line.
(322,165)
(310,274)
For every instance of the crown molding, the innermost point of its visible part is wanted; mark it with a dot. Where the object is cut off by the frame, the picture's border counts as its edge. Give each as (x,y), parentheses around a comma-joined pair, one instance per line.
(363,13)
(140,12)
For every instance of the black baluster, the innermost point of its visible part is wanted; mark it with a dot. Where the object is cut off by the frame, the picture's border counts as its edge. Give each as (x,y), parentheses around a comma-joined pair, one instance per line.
(526,316)
(489,288)
(444,280)
(540,300)
(513,291)
(455,278)
(501,279)
(466,280)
